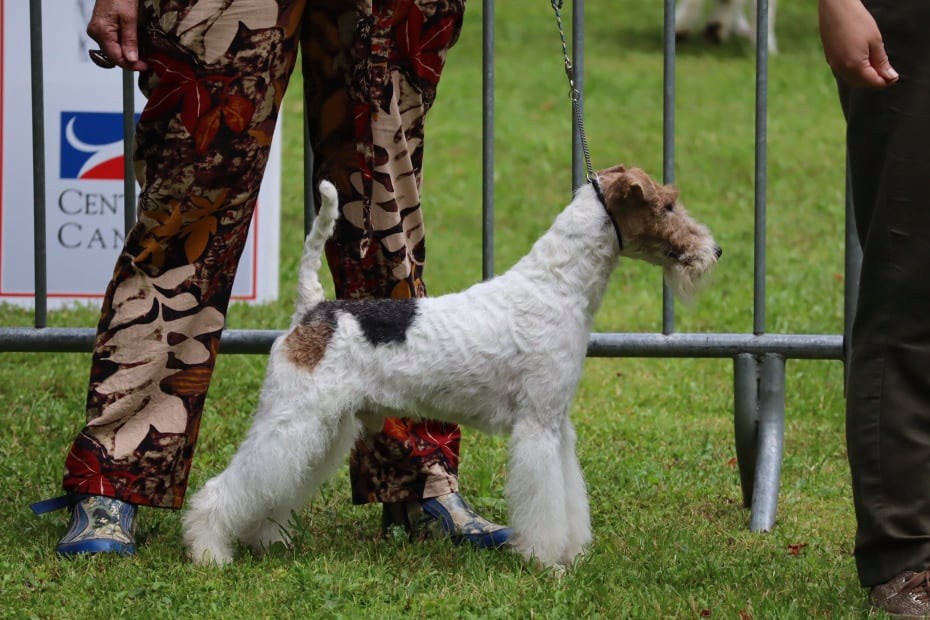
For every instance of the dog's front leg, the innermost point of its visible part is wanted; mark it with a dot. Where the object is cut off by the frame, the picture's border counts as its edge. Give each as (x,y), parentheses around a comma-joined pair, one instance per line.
(536,493)
(576,495)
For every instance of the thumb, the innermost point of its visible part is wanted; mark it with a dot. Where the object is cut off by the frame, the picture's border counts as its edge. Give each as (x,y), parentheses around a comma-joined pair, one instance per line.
(879,61)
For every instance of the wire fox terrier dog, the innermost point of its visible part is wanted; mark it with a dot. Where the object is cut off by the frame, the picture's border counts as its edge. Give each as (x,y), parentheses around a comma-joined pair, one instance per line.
(503,356)
(726,18)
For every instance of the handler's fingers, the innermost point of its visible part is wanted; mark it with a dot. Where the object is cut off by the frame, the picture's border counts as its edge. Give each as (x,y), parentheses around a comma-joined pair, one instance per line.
(113,26)
(872,71)
(110,49)
(866,77)
(881,64)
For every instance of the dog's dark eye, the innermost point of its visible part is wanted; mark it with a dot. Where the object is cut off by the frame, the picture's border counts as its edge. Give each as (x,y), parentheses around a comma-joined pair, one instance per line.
(670,207)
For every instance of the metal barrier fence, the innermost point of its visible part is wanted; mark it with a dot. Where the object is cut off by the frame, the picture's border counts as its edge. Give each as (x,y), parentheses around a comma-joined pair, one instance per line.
(758,358)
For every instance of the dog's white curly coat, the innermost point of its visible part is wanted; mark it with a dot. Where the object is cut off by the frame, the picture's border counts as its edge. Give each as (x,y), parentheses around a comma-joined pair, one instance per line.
(503,356)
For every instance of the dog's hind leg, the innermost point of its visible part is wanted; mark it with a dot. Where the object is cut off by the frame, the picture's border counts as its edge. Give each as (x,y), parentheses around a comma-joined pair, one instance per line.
(536,494)
(576,496)
(210,520)
(236,501)
(292,445)
(276,527)
(724,20)
(688,15)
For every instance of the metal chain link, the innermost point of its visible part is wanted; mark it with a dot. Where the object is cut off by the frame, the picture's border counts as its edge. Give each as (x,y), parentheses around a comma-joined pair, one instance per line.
(574,93)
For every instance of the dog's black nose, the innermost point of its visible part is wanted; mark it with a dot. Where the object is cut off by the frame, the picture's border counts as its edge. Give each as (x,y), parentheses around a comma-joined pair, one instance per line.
(718,251)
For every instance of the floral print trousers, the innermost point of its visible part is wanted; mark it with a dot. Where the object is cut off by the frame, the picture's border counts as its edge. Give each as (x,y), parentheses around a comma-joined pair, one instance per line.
(217,74)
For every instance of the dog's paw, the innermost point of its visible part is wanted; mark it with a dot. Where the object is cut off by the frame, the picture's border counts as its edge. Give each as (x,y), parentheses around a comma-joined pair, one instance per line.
(269,534)
(555,559)
(205,556)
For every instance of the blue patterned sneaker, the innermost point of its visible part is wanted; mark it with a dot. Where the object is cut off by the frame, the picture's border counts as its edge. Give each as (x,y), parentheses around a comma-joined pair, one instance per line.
(98,524)
(446,515)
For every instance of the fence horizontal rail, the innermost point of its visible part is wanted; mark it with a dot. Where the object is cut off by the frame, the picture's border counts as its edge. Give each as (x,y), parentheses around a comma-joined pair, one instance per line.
(795,346)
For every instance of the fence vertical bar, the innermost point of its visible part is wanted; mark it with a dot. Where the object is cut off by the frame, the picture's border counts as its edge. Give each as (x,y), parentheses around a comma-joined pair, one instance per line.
(746,420)
(761,139)
(487,141)
(668,141)
(770,443)
(772,377)
(38,164)
(129,173)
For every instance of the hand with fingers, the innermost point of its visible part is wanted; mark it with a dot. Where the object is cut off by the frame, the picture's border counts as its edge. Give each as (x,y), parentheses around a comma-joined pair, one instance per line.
(113,25)
(853,45)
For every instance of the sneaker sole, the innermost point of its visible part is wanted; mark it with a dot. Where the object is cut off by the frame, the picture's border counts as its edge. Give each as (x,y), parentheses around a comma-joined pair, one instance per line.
(94,546)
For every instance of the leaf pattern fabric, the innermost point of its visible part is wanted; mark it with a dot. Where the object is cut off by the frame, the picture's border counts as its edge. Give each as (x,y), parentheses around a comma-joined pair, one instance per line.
(217,74)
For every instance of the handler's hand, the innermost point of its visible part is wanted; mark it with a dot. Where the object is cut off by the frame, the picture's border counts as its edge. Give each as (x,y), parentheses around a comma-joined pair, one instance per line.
(114,27)
(853,45)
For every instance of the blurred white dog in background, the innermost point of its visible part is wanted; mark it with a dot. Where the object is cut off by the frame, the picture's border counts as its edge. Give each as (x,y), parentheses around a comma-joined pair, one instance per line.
(726,18)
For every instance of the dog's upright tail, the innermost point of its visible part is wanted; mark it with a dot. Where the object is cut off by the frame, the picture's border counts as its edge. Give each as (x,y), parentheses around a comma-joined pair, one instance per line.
(309,289)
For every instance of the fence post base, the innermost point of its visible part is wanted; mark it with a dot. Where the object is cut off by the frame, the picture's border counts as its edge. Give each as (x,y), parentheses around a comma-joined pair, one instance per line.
(759,423)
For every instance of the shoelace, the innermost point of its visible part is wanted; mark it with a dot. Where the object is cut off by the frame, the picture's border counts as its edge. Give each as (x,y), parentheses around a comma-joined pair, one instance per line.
(918,585)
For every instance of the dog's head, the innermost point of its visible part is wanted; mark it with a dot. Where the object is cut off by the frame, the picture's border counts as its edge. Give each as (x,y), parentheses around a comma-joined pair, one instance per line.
(656,228)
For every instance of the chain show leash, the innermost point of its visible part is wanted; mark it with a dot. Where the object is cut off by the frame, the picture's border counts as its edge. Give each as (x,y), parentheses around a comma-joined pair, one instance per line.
(575,95)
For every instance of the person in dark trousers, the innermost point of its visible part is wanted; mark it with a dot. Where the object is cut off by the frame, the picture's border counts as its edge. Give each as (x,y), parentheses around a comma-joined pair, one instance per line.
(879,51)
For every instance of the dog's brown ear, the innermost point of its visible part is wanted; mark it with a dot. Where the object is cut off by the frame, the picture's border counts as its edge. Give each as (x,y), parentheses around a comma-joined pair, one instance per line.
(612,170)
(633,185)
(609,180)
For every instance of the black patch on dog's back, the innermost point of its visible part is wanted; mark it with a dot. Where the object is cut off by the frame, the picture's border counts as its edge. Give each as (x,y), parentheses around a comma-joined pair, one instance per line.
(382,320)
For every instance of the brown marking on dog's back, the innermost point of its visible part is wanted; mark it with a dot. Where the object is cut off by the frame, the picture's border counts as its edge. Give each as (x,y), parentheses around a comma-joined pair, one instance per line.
(307,343)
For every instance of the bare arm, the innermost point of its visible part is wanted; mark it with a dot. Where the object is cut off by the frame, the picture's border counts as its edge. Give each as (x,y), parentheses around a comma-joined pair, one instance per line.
(113,25)
(853,44)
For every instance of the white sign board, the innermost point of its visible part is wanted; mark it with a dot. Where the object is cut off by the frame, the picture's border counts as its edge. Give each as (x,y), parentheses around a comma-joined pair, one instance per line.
(84,167)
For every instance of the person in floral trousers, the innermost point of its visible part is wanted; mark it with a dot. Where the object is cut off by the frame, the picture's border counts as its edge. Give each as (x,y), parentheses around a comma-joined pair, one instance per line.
(214,73)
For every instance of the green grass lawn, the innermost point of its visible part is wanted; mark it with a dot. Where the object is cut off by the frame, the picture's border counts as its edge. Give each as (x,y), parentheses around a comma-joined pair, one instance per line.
(655,436)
